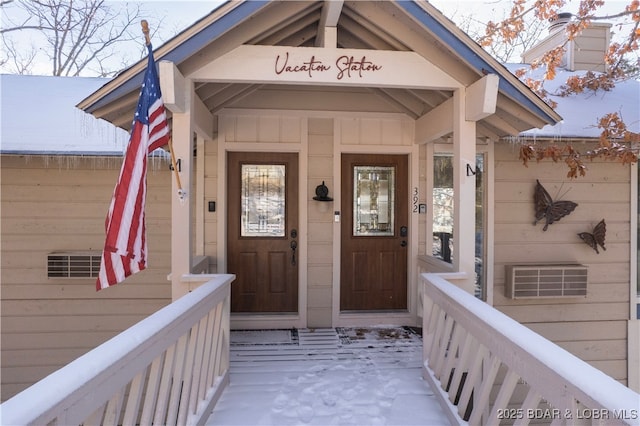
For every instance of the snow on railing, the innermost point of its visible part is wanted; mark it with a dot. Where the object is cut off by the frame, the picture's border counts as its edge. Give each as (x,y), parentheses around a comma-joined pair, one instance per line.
(170,368)
(489,369)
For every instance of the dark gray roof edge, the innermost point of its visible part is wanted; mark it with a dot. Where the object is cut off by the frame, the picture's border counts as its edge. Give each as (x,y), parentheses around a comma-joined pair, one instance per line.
(186,49)
(472,58)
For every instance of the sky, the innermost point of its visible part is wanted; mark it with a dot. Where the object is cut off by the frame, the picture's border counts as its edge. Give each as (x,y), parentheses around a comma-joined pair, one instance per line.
(168,17)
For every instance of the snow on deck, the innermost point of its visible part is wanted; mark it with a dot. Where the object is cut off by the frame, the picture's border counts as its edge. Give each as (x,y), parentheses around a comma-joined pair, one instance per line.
(338,376)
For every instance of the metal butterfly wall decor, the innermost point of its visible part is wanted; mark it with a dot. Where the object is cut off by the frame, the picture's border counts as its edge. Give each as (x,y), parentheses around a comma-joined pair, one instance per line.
(550,210)
(596,238)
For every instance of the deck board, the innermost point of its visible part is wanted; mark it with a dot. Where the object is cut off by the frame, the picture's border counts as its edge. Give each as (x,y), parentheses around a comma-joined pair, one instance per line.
(325,378)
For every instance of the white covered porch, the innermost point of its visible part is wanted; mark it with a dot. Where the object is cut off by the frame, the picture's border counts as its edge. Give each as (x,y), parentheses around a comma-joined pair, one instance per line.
(357,376)
(174,367)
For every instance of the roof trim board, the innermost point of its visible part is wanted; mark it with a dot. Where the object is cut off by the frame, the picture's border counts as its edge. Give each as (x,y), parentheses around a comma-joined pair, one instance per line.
(174,54)
(330,66)
(230,14)
(481,65)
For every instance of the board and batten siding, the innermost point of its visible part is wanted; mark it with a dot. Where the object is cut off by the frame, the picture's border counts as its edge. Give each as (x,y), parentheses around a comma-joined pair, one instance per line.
(59,204)
(320,216)
(594,327)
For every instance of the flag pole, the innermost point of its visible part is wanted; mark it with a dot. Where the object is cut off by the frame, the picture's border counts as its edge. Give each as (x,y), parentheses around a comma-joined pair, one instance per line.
(174,167)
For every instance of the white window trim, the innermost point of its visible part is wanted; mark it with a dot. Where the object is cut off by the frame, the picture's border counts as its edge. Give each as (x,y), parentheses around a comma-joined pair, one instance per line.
(487,149)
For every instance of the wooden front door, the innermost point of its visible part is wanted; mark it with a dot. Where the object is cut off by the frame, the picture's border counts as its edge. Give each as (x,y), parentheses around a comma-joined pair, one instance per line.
(374,231)
(262,234)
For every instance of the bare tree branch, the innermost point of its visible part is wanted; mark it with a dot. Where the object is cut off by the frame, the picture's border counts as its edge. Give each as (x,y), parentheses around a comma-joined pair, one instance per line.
(77,33)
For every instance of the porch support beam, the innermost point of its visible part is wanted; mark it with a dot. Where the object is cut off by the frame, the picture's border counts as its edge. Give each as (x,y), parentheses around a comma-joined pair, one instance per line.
(181,217)
(325,66)
(464,184)
(202,119)
(482,97)
(481,100)
(327,29)
(436,123)
(173,86)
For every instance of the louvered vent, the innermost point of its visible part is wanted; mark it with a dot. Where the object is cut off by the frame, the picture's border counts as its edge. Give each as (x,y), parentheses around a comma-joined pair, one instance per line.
(541,281)
(73,265)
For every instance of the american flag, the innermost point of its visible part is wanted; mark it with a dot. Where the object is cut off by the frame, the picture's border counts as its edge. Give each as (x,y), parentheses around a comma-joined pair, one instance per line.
(125,248)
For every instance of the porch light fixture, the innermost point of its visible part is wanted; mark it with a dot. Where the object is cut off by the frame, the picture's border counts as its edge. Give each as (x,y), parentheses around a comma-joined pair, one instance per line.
(322,195)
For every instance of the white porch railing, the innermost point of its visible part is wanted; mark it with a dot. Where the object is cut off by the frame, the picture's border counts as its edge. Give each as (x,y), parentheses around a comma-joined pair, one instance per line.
(169,368)
(490,369)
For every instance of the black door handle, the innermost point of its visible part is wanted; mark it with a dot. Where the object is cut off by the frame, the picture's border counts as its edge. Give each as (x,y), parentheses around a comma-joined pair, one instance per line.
(294,246)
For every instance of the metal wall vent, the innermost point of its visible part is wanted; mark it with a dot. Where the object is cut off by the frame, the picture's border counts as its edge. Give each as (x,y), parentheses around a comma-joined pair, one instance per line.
(542,281)
(73,265)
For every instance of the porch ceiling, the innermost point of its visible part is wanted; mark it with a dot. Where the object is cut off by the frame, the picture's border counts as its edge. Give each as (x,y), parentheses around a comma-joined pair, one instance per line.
(359,25)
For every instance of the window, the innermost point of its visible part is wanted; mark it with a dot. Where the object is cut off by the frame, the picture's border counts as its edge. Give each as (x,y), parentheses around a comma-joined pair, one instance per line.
(443,246)
(443,207)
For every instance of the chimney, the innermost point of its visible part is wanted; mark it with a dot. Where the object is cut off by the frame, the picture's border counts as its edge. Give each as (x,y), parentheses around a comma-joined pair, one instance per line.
(561,20)
(585,52)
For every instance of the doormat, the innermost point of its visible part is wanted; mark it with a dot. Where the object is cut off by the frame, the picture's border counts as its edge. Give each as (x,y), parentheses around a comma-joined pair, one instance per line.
(264,337)
(377,335)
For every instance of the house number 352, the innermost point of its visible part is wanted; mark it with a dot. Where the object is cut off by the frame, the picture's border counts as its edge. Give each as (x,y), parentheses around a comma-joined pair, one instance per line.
(415,200)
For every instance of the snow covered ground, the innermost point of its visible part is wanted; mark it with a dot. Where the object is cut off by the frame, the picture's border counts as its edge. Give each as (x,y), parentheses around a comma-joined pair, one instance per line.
(320,377)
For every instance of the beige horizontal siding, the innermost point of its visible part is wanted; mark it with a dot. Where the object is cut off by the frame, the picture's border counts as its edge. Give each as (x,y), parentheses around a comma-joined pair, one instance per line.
(59,204)
(594,327)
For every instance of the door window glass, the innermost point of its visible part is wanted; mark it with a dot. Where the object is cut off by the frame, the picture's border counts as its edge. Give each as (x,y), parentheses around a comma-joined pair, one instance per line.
(373,200)
(263,200)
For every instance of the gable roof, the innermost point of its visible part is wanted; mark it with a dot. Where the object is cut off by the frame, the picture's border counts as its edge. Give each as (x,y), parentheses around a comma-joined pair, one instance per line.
(39,117)
(391,25)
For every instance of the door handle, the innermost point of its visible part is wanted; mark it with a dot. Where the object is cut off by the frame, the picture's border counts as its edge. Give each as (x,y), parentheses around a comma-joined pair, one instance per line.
(294,246)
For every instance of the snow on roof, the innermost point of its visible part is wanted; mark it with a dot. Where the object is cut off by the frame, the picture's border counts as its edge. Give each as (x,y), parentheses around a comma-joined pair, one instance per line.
(38,116)
(581,112)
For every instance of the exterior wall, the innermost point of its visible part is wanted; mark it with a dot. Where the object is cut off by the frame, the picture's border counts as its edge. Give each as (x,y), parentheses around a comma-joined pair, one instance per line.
(320,262)
(593,328)
(52,204)
(209,181)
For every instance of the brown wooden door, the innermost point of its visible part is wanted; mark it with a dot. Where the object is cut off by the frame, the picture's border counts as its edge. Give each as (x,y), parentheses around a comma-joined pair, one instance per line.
(374,231)
(262,234)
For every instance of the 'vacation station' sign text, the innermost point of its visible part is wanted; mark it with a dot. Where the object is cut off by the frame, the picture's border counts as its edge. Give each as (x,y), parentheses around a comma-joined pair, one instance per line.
(344,66)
